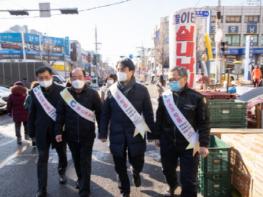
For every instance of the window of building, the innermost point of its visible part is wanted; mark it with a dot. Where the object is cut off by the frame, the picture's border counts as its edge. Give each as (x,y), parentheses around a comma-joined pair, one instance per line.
(251,19)
(254,40)
(233,39)
(261,40)
(213,19)
(233,19)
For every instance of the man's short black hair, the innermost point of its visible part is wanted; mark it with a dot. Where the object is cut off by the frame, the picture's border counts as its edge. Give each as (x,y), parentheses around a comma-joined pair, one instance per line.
(43,69)
(127,63)
(83,71)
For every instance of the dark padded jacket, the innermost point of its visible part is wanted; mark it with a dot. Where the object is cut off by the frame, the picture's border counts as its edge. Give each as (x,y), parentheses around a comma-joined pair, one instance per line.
(40,125)
(120,126)
(76,128)
(194,107)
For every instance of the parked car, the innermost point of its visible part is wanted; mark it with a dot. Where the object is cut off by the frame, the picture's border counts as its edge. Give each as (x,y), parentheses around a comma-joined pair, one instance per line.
(3,105)
(60,80)
(4,93)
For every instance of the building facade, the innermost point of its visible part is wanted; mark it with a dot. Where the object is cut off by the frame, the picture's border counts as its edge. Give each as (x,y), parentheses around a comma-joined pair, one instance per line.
(161,43)
(237,22)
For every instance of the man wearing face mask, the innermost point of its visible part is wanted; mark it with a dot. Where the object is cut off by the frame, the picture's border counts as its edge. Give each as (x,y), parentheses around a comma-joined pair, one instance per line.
(182,119)
(78,108)
(41,123)
(128,102)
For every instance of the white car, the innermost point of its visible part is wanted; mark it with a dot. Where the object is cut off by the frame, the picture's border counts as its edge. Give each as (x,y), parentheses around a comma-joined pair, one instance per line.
(3,105)
(4,93)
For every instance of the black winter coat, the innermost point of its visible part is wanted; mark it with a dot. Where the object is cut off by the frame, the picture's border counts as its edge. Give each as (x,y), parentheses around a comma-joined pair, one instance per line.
(40,125)
(78,129)
(193,106)
(120,126)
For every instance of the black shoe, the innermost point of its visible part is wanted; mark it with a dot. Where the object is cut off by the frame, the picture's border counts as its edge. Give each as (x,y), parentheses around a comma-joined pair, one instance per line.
(62,179)
(170,192)
(41,194)
(27,137)
(77,184)
(19,141)
(137,179)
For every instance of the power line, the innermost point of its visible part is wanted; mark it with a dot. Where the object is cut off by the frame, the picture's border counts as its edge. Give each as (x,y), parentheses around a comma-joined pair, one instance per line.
(83,10)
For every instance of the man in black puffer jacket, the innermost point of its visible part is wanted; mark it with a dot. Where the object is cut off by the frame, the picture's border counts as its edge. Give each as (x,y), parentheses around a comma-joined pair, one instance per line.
(122,129)
(172,143)
(78,108)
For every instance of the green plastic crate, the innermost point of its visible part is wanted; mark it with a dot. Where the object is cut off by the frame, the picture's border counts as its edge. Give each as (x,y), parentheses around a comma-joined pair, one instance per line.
(218,159)
(227,114)
(214,171)
(239,124)
(217,185)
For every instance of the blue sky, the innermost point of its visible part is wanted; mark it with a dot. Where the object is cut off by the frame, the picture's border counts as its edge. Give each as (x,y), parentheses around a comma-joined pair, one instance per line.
(121,28)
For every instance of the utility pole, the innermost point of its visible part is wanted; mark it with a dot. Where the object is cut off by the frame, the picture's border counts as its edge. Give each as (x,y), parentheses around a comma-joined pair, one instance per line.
(96,40)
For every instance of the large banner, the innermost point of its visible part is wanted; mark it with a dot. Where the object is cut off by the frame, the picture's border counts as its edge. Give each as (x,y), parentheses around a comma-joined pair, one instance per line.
(32,46)
(183,42)
(11,46)
(35,46)
(247,59)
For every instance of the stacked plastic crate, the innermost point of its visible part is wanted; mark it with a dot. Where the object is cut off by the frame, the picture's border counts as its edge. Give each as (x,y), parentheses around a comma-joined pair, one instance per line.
(214,171)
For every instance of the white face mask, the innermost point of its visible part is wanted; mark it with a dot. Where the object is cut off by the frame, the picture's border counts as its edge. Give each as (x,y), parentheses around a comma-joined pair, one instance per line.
(78,84)
(122,76)
(110,82)
(45,83)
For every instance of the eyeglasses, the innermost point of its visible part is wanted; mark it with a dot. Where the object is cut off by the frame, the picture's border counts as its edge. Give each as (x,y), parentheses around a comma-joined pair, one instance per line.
(171,80)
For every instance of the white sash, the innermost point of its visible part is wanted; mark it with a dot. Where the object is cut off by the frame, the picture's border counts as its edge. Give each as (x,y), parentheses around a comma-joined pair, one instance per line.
(138,121)
(78,108)
(46,105)
(181,122)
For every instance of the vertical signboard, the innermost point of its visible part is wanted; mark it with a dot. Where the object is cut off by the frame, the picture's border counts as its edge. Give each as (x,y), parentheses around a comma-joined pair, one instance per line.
(247,59)
(183,43)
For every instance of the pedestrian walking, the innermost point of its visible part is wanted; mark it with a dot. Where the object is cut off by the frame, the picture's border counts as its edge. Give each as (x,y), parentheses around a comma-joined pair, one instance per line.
(28,102)
(15,107)
(161,85)
(123,111)
(42,116)
(111,79)
(181,126)
(78,108)
(256,76)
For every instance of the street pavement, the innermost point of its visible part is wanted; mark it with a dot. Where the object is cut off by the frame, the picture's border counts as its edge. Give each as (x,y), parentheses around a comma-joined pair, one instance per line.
(18,168)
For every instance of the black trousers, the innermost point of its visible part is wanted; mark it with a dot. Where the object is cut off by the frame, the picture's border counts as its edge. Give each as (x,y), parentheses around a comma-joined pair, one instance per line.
(18,128)
(81,154)
(136,162)
(188,170)
(42,164)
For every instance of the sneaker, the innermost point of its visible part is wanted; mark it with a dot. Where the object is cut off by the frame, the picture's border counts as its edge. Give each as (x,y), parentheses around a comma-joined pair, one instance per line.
(137,179)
